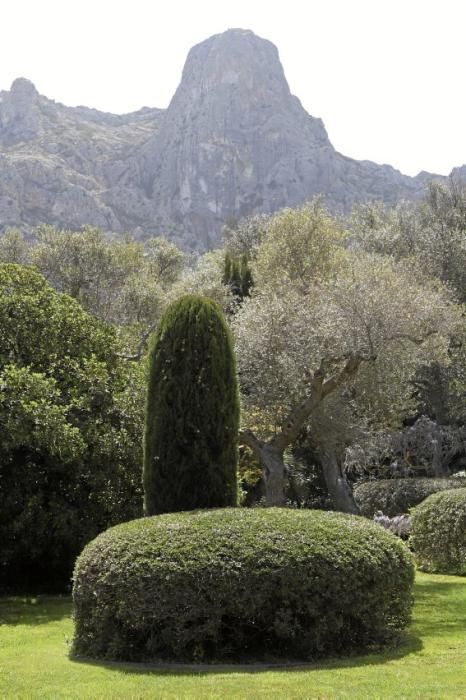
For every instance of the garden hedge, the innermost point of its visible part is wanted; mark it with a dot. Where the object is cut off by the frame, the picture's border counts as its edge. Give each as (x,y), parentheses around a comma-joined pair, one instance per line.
(397,496)
(438,532)
(240,585)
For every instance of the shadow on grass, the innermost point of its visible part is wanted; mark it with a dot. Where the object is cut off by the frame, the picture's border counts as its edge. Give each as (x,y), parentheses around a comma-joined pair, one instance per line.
(34,610)
(410,644)
(440,611)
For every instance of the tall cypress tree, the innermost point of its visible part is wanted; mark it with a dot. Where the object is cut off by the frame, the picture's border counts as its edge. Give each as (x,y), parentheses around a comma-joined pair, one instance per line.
(235,281)
(247,281)
(192,416)
(227,265)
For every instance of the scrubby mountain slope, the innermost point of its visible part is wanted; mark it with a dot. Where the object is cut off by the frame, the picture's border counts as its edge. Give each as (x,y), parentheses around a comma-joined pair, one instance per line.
(58,163)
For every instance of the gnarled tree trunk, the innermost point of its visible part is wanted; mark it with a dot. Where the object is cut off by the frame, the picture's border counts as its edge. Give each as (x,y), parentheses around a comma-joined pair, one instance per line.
(439,461)
(270,453)
(274,472)
(337,483)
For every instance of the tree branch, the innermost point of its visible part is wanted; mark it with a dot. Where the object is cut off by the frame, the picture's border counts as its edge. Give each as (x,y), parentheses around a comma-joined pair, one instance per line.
(320,388)
(144,338)
(354,360)
(247,437)
(412,338)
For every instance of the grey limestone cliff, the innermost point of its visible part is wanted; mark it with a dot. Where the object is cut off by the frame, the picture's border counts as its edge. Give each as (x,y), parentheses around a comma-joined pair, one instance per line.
(233,141)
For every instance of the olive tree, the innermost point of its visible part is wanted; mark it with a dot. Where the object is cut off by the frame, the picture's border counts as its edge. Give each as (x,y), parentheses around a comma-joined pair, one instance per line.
(113,278)
(432,235)
(298,347)
(432,231)
(300,247)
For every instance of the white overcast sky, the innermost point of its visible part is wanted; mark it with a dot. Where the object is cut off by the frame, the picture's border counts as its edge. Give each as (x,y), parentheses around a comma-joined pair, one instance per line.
(386,76)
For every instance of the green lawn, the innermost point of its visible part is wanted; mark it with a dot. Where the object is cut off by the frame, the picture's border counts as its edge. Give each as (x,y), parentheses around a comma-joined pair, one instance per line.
(431,663)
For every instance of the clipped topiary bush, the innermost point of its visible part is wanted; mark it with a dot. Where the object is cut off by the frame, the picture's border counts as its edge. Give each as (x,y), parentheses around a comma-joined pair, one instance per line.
(240,584)
(191,432)
(438,532)
(396,496)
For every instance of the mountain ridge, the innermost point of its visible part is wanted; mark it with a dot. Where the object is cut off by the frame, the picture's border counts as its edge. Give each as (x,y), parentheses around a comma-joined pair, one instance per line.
(233,141)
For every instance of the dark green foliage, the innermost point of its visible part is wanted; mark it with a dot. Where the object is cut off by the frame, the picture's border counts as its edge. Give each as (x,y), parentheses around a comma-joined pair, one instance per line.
(227,265)
(241,584)
(238,276)
(70,424)
(191,434)
(246,277)
(397,496)
(235,280)
(438,532)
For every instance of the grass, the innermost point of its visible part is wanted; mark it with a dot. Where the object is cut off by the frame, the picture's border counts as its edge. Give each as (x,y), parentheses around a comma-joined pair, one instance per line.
(431,662)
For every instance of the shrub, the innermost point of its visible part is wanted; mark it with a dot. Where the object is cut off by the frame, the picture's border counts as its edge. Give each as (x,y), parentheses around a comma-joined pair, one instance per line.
(71,415)
(438,532)
(397,496)
(241,584)
(191,434)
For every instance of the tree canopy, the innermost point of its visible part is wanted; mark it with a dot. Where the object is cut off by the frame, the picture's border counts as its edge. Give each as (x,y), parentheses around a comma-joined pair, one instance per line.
(346,320)
(70,413)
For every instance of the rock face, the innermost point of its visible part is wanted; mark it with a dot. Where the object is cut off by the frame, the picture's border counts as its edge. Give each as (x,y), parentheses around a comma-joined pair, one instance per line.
(63,165)
(233,141)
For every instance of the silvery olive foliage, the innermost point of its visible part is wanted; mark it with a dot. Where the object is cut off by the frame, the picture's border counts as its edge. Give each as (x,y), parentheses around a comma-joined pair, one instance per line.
(203,275)
(122,281)
(433,232)
(374,307)
(244,237)
(301,247)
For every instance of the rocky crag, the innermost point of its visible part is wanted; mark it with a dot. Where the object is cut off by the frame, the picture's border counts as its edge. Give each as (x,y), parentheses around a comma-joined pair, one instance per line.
(233,141)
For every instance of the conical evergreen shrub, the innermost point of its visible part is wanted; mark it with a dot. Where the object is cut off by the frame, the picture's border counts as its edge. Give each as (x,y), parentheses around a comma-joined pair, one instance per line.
(238,276)
(192,416)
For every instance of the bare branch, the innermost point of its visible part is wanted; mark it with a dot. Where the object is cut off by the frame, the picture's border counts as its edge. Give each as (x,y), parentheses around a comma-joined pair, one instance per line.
(412,338)
(349,370)
(319,390)
(247,437)
(142,343)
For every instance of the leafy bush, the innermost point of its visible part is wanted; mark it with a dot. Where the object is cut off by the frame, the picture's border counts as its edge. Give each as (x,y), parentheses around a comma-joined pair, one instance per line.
(438,533)
(240,584)
(191,433)
(71,417)
(397,496)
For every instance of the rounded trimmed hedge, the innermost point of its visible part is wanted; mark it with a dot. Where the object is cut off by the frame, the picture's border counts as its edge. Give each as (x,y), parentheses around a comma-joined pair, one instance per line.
(240,584)
(438,532)
(396,496)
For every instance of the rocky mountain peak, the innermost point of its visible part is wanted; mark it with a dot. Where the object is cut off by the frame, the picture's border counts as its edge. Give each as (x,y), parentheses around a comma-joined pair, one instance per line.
(19,113)
(234,141)
(23,89)
(235,61)
(230,138)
